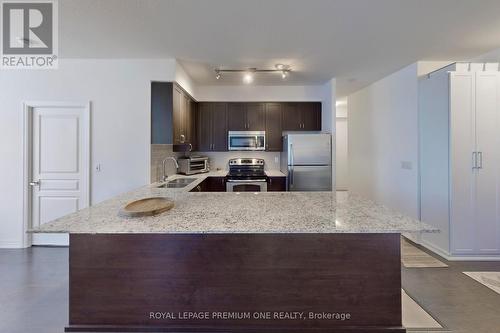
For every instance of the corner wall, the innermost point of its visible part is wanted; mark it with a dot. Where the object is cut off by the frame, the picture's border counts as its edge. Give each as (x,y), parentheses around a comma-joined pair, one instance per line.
(119,92)
(383,141)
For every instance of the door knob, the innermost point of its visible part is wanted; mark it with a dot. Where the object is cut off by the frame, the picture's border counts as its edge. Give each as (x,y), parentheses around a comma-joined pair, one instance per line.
(35,183)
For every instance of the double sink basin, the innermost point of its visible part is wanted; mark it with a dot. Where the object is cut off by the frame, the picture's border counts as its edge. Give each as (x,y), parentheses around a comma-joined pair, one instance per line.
(177,183)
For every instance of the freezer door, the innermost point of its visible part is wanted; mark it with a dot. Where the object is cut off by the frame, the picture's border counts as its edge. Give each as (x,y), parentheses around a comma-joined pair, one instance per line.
(310,178)
(309,149)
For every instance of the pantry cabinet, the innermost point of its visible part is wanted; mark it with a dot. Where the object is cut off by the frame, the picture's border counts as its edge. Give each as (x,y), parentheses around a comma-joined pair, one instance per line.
(460,161)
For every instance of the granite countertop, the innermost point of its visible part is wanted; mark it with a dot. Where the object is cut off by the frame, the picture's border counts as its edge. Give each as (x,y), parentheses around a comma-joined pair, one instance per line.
(266,212)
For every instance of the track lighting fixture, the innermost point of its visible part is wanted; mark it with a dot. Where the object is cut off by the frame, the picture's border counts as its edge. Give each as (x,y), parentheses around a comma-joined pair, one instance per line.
(248,74)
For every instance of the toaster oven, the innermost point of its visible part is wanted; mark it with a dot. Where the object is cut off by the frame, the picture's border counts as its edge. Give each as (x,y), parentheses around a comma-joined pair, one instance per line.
(192,165)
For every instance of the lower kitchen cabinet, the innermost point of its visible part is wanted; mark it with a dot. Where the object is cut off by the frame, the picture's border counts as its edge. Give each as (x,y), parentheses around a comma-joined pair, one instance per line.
(211,184)
(276,184)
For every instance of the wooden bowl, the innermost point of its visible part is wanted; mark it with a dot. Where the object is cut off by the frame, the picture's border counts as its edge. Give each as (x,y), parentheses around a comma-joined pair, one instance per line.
(146,207)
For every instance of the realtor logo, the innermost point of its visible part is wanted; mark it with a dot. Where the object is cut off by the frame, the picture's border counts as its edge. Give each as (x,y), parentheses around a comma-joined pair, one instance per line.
(29,34)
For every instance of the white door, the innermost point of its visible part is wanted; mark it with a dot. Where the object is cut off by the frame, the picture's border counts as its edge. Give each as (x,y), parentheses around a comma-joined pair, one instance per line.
(487,208)
(341,168)
(462,146)
(60,165)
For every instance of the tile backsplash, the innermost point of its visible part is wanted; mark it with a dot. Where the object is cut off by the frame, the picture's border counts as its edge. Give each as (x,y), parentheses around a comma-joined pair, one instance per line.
(217,160)
(158,153)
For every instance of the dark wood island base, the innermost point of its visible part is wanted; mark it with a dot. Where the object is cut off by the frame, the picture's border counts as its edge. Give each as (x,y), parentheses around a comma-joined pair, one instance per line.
(244,283)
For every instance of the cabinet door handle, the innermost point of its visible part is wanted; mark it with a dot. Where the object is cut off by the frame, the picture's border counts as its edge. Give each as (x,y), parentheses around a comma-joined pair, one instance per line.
(480,156)
(474,160)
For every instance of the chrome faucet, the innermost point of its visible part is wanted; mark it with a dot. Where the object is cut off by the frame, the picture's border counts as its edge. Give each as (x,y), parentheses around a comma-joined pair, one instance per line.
(163,163)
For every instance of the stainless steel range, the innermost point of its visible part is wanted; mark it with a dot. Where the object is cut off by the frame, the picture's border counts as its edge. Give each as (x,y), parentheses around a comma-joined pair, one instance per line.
(246,175)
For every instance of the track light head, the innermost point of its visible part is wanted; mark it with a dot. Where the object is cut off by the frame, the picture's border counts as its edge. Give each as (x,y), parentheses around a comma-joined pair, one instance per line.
(248,78)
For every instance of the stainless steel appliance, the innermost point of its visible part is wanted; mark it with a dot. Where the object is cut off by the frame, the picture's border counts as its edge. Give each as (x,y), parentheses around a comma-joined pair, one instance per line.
(307,161)
(247,140)
(246,175)
(193,164)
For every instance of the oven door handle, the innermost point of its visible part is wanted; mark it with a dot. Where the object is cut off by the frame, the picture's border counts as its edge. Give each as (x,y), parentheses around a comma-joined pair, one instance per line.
(246,180)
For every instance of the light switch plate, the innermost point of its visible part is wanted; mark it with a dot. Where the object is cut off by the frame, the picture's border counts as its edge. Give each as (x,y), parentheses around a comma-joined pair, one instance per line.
(407,165)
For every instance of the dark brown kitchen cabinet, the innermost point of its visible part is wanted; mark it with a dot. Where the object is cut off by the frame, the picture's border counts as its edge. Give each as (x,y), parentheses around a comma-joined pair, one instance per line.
(212,126)
(172,115)
(246,116)
(302,116)
(276,184)
(211,184)
(292,118)
(273,112)
(255,117)
(311,116)
(183,116)
(236,117)
(217,184)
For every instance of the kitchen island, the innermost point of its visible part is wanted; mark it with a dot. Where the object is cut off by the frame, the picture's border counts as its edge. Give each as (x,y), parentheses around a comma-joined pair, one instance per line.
(229,262)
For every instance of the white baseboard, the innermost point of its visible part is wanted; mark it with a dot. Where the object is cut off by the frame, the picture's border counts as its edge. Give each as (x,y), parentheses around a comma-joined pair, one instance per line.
(440,252)
(11,245)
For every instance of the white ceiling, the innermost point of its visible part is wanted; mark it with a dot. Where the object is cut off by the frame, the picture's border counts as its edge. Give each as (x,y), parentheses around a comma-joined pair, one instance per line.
(357,41)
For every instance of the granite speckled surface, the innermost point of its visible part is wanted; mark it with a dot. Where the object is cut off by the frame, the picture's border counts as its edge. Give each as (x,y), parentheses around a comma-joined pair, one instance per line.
(271,212)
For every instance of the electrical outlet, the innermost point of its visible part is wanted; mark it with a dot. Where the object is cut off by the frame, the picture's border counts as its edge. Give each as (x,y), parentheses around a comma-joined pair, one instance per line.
(276,159)
(98,167)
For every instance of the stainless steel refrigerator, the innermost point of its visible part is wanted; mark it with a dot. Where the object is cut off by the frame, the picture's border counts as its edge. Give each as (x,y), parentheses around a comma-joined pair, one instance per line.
(306,160)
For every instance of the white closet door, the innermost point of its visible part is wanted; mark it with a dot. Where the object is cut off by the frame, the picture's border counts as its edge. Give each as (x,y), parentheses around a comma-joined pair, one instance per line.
(487,175)
(462,144)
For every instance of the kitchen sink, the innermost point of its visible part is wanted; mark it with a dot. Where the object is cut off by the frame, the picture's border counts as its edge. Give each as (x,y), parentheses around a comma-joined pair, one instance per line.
(178,183)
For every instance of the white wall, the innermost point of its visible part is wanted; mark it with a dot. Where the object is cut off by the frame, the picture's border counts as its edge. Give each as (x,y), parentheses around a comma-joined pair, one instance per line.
(251,93)
(119,91)
(341,146)
(383,136)
(184,80)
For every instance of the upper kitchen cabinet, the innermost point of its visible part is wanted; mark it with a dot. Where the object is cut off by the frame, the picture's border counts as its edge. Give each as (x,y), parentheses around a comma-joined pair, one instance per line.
(302,116)
(255,117)
(246,116)
(183,116)
(212,126)
(172,114)
(273,113)
(236,117)
(161,113)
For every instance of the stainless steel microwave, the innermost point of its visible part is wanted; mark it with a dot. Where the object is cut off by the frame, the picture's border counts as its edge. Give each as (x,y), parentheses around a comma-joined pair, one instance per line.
(247,140)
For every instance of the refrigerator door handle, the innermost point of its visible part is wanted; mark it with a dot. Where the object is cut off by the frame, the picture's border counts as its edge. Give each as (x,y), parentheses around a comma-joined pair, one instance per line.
(291,164)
